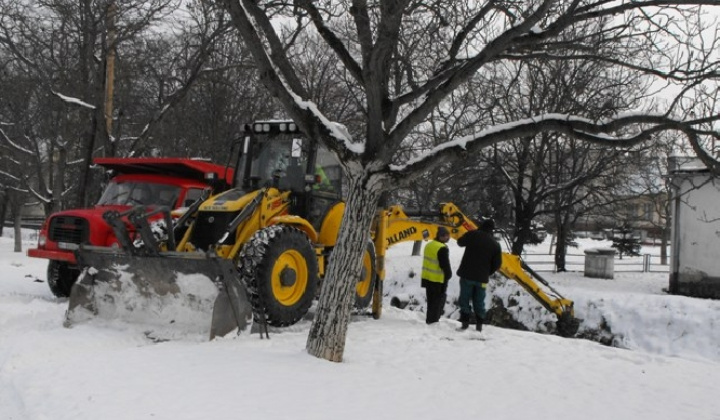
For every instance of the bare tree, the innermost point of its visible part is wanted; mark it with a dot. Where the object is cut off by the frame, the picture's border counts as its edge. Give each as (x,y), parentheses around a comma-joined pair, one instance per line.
(649,192)
(404,58)
(13,184)
(69,53)
(523,182)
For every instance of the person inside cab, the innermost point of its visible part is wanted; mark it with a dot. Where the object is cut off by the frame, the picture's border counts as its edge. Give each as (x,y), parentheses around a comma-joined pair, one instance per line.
(322,182)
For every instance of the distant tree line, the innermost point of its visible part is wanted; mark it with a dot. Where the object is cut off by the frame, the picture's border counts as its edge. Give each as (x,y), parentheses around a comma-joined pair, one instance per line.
(86,78)
(82,79)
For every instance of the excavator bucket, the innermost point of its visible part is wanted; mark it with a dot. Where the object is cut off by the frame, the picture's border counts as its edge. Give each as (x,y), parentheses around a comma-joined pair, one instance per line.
(170,292)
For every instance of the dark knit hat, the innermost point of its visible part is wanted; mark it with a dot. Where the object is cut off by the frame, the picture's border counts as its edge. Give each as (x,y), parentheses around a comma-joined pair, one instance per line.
(442,232)
(487,225)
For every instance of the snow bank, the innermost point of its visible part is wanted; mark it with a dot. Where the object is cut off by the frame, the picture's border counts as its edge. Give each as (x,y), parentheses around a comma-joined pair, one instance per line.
(630,311)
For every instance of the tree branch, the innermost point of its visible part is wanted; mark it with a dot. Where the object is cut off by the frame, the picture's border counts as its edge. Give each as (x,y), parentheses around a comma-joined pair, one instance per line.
(332,40)
(600,133)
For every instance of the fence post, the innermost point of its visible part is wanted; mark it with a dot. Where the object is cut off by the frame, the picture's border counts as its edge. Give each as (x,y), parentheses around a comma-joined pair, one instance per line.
(646,263)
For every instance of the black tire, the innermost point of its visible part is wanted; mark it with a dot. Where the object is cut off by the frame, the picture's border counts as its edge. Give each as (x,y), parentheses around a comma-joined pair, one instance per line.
(366,285)
(61,277)
(279,268)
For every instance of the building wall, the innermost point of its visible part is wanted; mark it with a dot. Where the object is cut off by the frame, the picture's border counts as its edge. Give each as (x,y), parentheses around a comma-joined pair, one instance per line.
(695,268)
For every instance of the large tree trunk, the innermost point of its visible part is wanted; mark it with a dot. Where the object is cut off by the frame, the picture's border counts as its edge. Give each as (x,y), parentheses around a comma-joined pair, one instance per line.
(329,329)
(665,232)
(523,229)
(91,90)
(561,245)
(3,210)
(58,185)
(17,226)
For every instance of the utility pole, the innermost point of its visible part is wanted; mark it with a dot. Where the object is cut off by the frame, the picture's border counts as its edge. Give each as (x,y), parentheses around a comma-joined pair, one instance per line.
(110,74)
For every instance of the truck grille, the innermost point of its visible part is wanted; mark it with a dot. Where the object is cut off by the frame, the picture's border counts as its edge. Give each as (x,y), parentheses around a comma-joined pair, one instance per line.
(68,229)
(209,228)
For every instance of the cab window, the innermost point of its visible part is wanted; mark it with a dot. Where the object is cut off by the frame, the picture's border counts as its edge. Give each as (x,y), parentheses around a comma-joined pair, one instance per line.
(191,196)
(280,160)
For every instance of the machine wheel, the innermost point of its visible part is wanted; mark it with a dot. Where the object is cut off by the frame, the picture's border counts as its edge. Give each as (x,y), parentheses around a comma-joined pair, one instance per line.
(279,268)
(61,277)
(366,284)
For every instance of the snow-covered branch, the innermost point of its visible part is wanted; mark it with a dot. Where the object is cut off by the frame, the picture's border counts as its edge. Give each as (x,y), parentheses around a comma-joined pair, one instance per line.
(280,78)
(10,177)
(625,130)
(73,101)
(332,40)
(44,198)
(459,74)
(14,145)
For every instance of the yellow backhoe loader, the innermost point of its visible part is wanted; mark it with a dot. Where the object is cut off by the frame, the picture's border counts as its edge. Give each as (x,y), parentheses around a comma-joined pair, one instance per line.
(257,251)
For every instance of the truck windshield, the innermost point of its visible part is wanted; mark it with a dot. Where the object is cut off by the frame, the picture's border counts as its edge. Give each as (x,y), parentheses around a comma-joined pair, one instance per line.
(131,193)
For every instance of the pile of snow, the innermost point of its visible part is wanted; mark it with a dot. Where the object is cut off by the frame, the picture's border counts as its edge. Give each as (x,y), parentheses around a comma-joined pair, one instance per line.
(180,306)
(394,368)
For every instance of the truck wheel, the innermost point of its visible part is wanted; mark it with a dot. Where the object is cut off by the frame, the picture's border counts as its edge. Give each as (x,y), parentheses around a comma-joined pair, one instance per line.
(279,268)
(61,277)
(365,286)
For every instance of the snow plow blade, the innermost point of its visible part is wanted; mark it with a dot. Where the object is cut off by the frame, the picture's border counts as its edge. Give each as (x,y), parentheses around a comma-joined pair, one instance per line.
(168,292)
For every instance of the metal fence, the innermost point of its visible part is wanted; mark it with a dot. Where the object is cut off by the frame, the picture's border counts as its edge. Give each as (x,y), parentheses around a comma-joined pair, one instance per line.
(646,263)
(576,263)
(25,223)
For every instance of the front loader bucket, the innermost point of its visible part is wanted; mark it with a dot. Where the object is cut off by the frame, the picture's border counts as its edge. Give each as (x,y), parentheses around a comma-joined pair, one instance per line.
(168,292)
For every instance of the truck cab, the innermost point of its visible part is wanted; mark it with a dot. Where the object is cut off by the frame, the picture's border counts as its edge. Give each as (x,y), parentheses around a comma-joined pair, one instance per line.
(153,182)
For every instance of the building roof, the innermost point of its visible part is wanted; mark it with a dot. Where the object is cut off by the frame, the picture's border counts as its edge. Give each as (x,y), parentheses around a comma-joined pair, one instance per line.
(683,164)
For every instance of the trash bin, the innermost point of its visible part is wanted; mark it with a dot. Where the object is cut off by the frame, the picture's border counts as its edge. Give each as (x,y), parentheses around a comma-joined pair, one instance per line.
(600,263)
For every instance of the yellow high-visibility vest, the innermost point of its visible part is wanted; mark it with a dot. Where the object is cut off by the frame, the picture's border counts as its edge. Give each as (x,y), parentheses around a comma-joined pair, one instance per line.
(431,270)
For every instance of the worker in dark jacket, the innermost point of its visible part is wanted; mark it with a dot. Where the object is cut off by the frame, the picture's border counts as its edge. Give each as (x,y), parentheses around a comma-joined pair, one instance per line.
(436,272)
(482,257)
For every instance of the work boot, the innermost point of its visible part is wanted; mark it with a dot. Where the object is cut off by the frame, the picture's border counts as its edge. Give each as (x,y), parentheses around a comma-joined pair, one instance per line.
(464,321)
(478,324)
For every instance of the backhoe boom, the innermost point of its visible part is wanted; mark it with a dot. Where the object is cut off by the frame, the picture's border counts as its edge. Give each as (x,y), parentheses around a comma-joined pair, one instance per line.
(394,225)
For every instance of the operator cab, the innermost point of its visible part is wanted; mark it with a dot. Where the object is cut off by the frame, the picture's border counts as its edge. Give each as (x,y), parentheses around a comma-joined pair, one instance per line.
(276,154)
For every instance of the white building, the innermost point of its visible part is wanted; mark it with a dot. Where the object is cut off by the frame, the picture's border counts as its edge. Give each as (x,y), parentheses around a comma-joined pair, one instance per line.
(695,264)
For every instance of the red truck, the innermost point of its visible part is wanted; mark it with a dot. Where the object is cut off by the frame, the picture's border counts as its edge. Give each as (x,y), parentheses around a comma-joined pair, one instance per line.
(170,182)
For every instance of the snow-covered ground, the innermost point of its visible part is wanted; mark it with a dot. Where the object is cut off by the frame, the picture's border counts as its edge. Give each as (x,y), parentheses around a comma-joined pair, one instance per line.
(395,368)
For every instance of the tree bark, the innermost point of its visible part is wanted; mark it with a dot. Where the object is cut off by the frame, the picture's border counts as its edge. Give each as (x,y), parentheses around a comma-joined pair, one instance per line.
(329,328)
(3,210)
(17,227)
(561,246)
(58,185)
(665,232)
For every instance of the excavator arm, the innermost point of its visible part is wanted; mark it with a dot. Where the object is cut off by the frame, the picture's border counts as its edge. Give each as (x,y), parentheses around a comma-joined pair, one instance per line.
(514,268)
(393,225)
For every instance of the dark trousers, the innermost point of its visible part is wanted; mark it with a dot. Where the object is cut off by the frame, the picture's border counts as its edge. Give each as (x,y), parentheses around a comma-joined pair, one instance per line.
(472,292)
(435,293)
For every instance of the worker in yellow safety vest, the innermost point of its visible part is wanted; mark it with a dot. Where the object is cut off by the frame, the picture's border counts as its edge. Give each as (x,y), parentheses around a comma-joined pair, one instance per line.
(436,273)
(322,182)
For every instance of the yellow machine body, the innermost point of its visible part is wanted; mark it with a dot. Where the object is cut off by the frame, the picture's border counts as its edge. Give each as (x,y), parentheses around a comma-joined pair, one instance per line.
(264,249)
